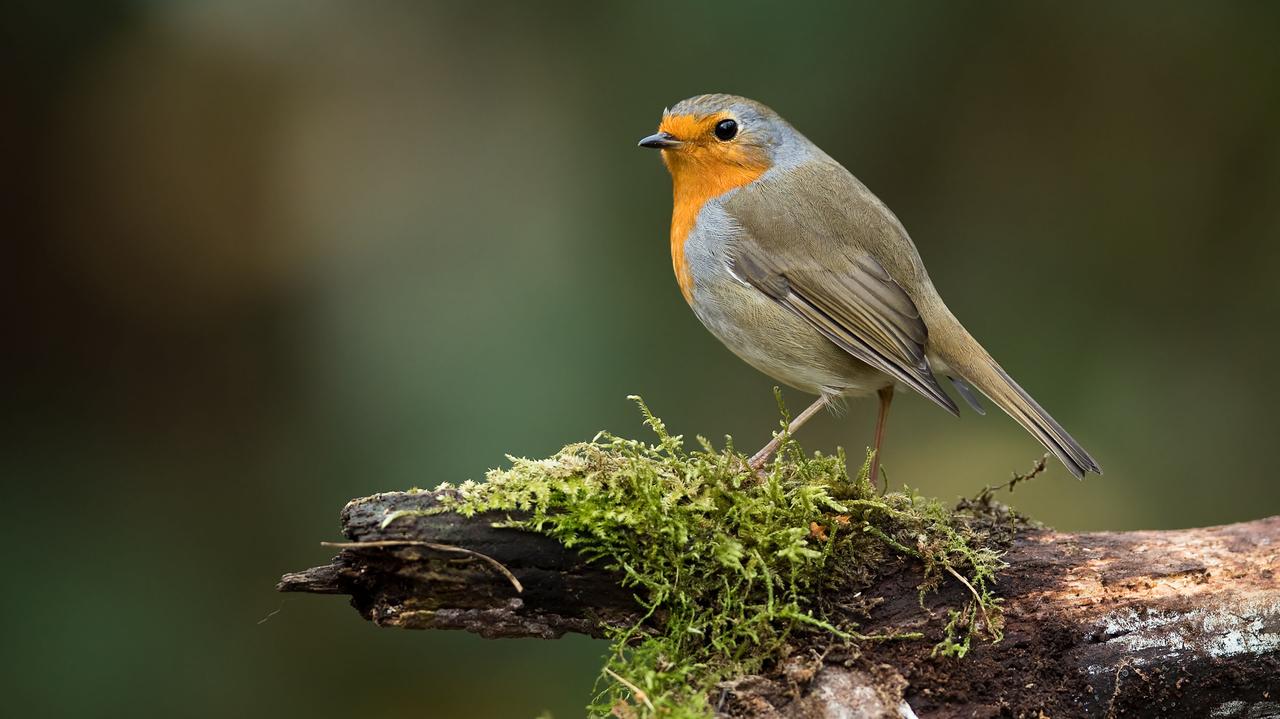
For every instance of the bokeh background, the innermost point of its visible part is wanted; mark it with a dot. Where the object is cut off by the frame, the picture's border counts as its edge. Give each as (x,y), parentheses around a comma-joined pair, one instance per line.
(266,256)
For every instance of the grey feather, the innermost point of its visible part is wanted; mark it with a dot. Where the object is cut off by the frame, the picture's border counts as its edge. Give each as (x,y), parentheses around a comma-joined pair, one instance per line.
(966,392)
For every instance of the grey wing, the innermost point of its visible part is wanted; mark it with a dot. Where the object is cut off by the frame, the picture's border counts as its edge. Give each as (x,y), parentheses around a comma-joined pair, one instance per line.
(856,304)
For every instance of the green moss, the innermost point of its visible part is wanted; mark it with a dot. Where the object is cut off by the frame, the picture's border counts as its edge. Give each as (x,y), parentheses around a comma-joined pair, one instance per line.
(730,567)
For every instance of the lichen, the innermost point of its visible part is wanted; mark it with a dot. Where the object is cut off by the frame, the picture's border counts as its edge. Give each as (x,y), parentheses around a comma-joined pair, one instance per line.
(729,566)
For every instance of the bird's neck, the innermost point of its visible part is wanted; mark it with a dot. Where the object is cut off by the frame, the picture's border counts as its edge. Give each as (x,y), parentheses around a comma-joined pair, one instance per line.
(693,184)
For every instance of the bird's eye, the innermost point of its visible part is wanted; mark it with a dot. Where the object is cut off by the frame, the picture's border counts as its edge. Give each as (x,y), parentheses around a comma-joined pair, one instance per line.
(726,129)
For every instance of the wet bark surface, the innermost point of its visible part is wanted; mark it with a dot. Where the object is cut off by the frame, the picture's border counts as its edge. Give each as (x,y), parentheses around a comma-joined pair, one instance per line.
(1132,624)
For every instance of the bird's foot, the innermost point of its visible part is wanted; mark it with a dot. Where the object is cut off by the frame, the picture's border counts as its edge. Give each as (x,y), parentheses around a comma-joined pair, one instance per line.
(758,461)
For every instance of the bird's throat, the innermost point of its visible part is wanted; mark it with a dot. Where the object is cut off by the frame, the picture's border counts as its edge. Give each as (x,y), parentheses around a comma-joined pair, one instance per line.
(693,183)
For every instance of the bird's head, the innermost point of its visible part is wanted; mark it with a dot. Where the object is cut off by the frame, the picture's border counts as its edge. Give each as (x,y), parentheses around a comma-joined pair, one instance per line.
(722,137)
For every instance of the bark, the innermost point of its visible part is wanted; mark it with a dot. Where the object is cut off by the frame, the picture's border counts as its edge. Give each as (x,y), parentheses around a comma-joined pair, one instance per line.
(1133,624)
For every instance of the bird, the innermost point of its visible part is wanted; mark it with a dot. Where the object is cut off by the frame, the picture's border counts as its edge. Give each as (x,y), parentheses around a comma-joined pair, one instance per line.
(803,273)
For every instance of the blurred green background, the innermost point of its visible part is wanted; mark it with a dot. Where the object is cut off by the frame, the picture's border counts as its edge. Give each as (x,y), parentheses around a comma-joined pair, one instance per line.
(267,256)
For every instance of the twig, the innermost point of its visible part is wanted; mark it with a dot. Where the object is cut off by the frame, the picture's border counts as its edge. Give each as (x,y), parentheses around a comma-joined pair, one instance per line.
(637,691)
(1040,465)
(431,545)
(977,597)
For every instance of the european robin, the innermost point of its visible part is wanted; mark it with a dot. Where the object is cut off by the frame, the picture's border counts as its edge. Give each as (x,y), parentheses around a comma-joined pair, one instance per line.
(797,268)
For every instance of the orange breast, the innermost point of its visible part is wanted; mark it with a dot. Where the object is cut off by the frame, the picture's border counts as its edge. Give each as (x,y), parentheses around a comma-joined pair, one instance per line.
(693,183)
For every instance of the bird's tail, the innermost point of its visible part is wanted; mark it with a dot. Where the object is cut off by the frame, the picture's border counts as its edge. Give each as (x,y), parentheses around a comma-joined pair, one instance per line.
(965,357)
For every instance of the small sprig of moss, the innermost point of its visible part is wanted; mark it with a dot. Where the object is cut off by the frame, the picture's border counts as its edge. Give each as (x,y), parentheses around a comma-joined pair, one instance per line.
(729,566)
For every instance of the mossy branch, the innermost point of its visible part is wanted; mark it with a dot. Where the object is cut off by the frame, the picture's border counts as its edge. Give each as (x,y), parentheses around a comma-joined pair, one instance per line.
(724,593)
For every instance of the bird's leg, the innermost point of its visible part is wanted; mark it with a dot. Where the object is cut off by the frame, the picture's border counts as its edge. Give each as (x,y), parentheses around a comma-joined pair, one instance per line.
(886,396)
(759,458)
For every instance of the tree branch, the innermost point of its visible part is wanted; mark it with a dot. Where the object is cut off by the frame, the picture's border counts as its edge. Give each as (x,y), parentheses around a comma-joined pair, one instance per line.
(1136,624)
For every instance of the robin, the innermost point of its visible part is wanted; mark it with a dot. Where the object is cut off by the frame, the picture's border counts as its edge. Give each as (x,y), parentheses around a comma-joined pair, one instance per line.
(797,268)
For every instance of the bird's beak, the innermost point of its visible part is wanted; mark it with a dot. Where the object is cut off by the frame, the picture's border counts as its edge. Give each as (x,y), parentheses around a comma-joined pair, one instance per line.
(661,141)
